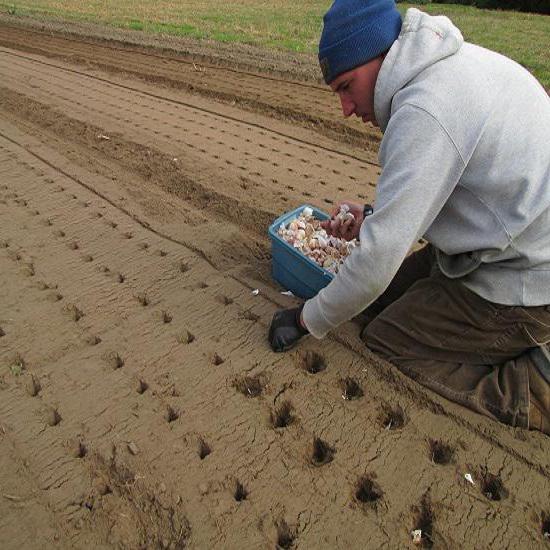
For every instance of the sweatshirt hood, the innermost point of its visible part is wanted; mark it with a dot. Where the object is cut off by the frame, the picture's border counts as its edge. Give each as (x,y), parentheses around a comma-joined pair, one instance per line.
(423,41)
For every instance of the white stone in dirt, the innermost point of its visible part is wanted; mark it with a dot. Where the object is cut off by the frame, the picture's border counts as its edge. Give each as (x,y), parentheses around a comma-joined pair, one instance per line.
(133,448)
(417,536)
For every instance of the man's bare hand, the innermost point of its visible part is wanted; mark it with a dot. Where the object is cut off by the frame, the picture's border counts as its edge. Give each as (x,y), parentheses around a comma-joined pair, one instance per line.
(347,229)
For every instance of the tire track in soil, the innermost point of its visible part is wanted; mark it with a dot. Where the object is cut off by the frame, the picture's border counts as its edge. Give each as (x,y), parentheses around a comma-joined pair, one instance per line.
(168,408)
(297,101)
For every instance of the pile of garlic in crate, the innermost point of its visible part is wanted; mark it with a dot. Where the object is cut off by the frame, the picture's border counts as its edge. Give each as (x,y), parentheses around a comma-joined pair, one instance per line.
(306,235)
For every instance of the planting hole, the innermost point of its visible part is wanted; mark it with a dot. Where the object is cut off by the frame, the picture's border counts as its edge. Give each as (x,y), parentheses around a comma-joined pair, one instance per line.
(115,360)
(312,362)
(171,414)
(142,387)
(492,487)
(143,299)
(285,537)
(34,387)
(225,300)
(545,526)
(53,417)
(351,389)
(440,453)
(367,491)
(184,267)
(216,359)
(28,270)
(282,416)
(81,450)
(322,453)
(249,386)
(55,297)
(392,418)
(423,521)
(240,492)
(186,337)
(75,313)
(248,315)
(204,449)
(93,340)
(166,317)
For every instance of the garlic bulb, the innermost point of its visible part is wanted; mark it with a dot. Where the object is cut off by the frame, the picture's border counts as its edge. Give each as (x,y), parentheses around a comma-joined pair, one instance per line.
(307,236)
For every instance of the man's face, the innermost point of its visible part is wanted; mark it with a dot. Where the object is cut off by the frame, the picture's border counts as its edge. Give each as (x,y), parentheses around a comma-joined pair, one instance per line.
(356,90)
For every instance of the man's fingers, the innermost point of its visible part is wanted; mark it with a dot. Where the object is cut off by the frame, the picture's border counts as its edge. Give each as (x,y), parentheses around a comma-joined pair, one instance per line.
(346,224)
(335,210)
(347,229)
(328,226)
(336,227)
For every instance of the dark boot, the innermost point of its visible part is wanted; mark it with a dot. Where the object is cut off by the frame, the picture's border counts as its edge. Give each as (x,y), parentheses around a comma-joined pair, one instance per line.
(539,390)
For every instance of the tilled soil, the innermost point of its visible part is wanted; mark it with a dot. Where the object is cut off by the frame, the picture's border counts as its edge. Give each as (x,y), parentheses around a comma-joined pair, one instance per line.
(140,405)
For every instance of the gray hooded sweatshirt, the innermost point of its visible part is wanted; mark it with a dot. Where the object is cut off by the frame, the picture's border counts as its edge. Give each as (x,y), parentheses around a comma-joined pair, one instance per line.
(465,164)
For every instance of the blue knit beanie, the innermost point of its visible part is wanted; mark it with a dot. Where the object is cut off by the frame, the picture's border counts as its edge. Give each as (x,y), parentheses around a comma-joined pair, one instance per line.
(354,32)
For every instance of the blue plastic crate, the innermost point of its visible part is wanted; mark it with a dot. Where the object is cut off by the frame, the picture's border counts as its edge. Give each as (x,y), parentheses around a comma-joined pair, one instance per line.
(290,268)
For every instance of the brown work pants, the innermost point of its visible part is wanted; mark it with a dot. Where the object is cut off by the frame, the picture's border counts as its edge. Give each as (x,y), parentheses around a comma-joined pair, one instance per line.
(483,355)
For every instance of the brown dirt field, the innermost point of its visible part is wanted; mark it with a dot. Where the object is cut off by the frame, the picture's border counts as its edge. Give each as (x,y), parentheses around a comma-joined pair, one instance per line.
(140,404)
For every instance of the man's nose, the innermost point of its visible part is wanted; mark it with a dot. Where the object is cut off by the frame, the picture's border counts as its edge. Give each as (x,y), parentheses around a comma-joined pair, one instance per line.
(348,106)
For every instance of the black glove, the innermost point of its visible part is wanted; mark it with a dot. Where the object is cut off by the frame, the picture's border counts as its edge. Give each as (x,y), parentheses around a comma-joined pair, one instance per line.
(286,329)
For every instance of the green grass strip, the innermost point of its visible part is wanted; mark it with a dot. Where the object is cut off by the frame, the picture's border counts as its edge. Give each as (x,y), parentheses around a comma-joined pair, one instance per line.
(291,25)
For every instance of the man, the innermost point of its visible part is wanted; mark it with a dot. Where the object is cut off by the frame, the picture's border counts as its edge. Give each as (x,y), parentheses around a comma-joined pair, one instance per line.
(466,165)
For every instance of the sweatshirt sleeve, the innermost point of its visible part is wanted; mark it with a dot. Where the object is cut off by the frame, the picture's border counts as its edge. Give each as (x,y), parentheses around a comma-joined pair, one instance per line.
(420,168)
